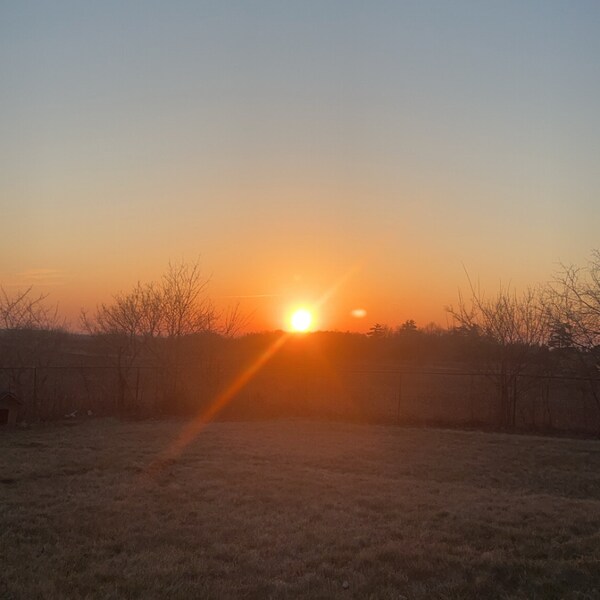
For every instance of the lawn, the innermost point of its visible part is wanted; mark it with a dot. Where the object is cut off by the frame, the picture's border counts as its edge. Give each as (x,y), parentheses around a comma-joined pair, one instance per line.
(296,509)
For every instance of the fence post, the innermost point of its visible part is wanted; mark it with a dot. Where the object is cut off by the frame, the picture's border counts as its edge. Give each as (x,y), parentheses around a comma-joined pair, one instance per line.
(471,400)
(137,388)
(514,402)
(399,399)
(36,408)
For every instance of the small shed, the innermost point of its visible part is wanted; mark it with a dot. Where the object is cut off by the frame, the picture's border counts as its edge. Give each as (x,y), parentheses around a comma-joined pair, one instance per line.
(9,407)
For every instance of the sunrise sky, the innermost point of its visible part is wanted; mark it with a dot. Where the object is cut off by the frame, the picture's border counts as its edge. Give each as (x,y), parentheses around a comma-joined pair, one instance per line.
(296,145)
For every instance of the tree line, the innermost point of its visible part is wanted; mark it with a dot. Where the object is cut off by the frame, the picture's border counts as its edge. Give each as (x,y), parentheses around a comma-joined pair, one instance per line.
(510,336)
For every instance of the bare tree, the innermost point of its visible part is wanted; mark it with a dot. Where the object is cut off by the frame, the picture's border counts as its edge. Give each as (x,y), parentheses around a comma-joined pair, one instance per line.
(573,305)
(125,328)
(23,310)
(233,320)
(31,333)
(574,302)
(186,312)
(154,323)
(185,305)
(514,327)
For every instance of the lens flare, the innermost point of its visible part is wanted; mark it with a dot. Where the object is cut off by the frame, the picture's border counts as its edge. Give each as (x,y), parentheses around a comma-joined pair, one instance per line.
(303,318)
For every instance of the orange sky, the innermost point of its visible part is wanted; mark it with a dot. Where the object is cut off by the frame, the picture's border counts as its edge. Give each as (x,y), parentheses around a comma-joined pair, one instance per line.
(285,144)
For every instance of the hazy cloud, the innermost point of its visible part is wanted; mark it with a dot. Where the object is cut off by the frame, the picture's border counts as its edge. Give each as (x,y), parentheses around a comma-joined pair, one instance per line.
(252,296)
(43,277)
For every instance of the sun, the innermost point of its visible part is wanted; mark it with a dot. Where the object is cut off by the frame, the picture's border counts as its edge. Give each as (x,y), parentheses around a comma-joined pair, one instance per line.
(301,320)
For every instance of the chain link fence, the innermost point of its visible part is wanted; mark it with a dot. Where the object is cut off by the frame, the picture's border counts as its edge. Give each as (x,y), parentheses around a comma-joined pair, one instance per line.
(422,397)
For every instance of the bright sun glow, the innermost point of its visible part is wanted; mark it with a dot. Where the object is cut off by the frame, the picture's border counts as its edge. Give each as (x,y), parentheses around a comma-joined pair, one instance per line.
(301,320)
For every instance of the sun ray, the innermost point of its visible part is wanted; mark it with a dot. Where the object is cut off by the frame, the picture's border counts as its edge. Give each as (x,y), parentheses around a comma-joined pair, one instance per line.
(192,429)
(204,417)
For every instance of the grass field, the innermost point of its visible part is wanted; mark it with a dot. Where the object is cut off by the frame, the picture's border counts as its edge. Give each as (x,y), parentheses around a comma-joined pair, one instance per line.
(297,510)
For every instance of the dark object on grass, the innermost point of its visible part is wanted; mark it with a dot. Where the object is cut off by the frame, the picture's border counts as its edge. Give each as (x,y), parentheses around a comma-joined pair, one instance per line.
(9,407)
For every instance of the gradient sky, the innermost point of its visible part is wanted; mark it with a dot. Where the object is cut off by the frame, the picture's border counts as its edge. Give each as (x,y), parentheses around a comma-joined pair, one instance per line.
(289,143)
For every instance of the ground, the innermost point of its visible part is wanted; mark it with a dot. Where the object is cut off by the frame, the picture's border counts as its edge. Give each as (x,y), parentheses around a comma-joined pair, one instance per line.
(287,509)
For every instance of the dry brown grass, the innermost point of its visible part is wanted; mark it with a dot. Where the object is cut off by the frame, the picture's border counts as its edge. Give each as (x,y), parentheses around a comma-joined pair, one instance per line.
(294,510)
